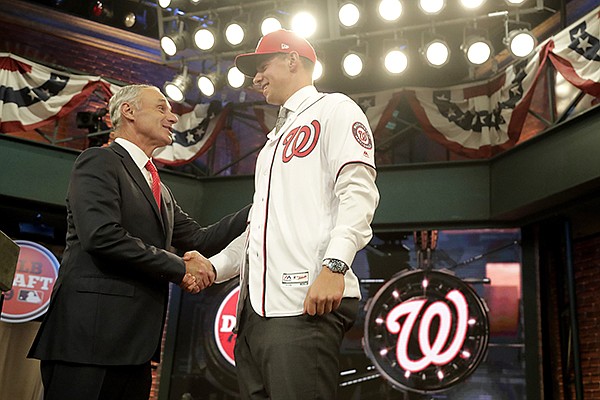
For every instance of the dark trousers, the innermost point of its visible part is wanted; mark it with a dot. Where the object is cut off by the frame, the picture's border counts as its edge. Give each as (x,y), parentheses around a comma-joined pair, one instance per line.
(69,381)
(287,358)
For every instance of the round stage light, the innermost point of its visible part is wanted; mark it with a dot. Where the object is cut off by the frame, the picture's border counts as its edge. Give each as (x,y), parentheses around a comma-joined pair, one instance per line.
(349,15)
(352,64)
(395,61)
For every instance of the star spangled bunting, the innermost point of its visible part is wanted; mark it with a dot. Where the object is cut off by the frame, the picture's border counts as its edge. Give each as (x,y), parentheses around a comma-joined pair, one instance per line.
(476,120)
(584,42)
(33,95)
(480,119)
(194,133)
(576,53)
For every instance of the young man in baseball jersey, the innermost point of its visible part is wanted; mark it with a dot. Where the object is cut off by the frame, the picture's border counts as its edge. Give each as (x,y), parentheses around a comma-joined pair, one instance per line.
(314,200)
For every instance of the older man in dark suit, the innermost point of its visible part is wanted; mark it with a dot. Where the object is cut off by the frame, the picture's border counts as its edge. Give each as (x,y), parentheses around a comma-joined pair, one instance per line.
(105,320)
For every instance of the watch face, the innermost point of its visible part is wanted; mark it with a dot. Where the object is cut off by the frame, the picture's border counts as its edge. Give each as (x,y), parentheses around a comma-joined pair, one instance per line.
(426,331)
(336,266)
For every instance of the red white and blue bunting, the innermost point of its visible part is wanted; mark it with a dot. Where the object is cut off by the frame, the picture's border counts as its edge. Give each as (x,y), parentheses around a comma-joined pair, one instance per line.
(33,95)
(194,133)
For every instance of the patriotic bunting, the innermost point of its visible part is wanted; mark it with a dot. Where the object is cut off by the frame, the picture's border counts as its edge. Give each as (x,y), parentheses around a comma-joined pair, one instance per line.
(482,119)
(32,95)
(194,133)
(576,53)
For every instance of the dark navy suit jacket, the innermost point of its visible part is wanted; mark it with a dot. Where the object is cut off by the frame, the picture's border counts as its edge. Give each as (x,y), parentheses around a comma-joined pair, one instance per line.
(109,302)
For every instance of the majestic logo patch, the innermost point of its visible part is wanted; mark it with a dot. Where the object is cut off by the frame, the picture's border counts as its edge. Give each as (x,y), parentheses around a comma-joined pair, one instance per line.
(294,279)
(301,141)
(361,134)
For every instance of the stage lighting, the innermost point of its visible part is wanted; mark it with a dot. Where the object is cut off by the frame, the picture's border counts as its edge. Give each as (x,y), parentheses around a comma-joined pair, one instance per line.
(472,4)
(204,38)
(436,53)
(102,10)
(353,63)
(304,24)
(235,78)
(269,24)
(477,50)
(129,19)
(432,7)
(164,3)
(520,43)
(318,71)
(349,15)
(209,84)
(395,60)
(235,33)
(172,43)
(390,10)
(175,89)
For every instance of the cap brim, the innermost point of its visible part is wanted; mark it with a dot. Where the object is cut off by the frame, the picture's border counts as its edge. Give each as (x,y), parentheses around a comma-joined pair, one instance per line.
(247,63)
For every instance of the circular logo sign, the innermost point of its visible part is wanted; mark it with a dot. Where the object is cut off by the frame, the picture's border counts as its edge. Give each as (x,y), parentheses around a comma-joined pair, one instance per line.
(224,324)
(36,272)
(426,331)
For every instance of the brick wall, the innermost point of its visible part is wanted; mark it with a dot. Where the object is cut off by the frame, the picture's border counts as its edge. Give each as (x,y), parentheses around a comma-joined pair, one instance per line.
(559,375)
(586,255)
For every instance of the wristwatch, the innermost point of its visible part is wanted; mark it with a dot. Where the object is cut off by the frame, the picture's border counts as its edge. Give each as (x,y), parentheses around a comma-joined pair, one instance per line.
(335,265)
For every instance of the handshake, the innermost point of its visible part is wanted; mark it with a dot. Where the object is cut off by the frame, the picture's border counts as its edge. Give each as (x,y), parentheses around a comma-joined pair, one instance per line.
(199,273)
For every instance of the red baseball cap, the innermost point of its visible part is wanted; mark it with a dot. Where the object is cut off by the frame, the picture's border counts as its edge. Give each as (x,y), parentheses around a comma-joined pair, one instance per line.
(280,41)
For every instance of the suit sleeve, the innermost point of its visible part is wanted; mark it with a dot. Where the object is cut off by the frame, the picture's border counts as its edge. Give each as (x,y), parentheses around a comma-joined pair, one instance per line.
(98,205)
(209,240)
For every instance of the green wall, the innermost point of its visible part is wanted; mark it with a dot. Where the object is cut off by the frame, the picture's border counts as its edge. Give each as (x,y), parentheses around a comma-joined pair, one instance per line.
(535,177)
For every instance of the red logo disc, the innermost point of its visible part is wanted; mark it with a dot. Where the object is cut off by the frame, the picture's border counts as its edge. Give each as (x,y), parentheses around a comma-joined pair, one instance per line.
(224,324)
(36,273)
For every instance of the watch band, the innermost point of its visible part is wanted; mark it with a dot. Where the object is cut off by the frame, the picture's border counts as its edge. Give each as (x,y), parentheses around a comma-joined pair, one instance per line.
(335,265)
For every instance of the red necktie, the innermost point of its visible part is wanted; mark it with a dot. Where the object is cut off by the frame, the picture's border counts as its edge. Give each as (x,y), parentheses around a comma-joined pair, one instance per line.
(155,182)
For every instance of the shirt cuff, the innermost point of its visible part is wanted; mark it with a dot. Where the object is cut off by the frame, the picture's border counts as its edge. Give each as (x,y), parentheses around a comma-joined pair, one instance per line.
(341,249)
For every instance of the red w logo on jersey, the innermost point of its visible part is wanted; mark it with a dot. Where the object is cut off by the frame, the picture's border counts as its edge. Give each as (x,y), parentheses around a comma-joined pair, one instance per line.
(301,141)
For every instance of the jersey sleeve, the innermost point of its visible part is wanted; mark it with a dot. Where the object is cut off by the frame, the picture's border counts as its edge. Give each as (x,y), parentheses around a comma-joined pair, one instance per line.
(227,263)
(350,153)
(348,138)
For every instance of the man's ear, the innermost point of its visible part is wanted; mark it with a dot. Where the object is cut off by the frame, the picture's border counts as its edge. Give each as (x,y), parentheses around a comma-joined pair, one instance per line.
(127,111)
(294,60)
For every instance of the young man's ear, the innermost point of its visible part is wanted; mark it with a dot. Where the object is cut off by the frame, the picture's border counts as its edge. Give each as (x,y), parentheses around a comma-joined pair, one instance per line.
(293,60)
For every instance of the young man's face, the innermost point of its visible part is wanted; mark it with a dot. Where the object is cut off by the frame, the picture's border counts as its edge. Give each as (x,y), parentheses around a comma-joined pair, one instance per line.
(274,79)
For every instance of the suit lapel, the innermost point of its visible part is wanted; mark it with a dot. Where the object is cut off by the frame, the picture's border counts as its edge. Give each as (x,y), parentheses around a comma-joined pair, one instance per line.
(135,174)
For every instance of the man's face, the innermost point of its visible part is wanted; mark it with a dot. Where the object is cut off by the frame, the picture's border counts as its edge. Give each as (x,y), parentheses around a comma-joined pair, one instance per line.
(273,79)
(154,119)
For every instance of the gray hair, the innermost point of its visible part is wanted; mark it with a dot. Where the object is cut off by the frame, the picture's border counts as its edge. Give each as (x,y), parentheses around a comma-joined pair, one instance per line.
(127,94)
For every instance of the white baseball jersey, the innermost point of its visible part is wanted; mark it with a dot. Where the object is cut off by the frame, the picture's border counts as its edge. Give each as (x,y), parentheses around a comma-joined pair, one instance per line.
(315,197)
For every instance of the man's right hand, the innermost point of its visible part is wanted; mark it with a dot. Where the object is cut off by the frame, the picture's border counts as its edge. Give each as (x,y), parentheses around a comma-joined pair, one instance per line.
(188,283)
(200,268)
